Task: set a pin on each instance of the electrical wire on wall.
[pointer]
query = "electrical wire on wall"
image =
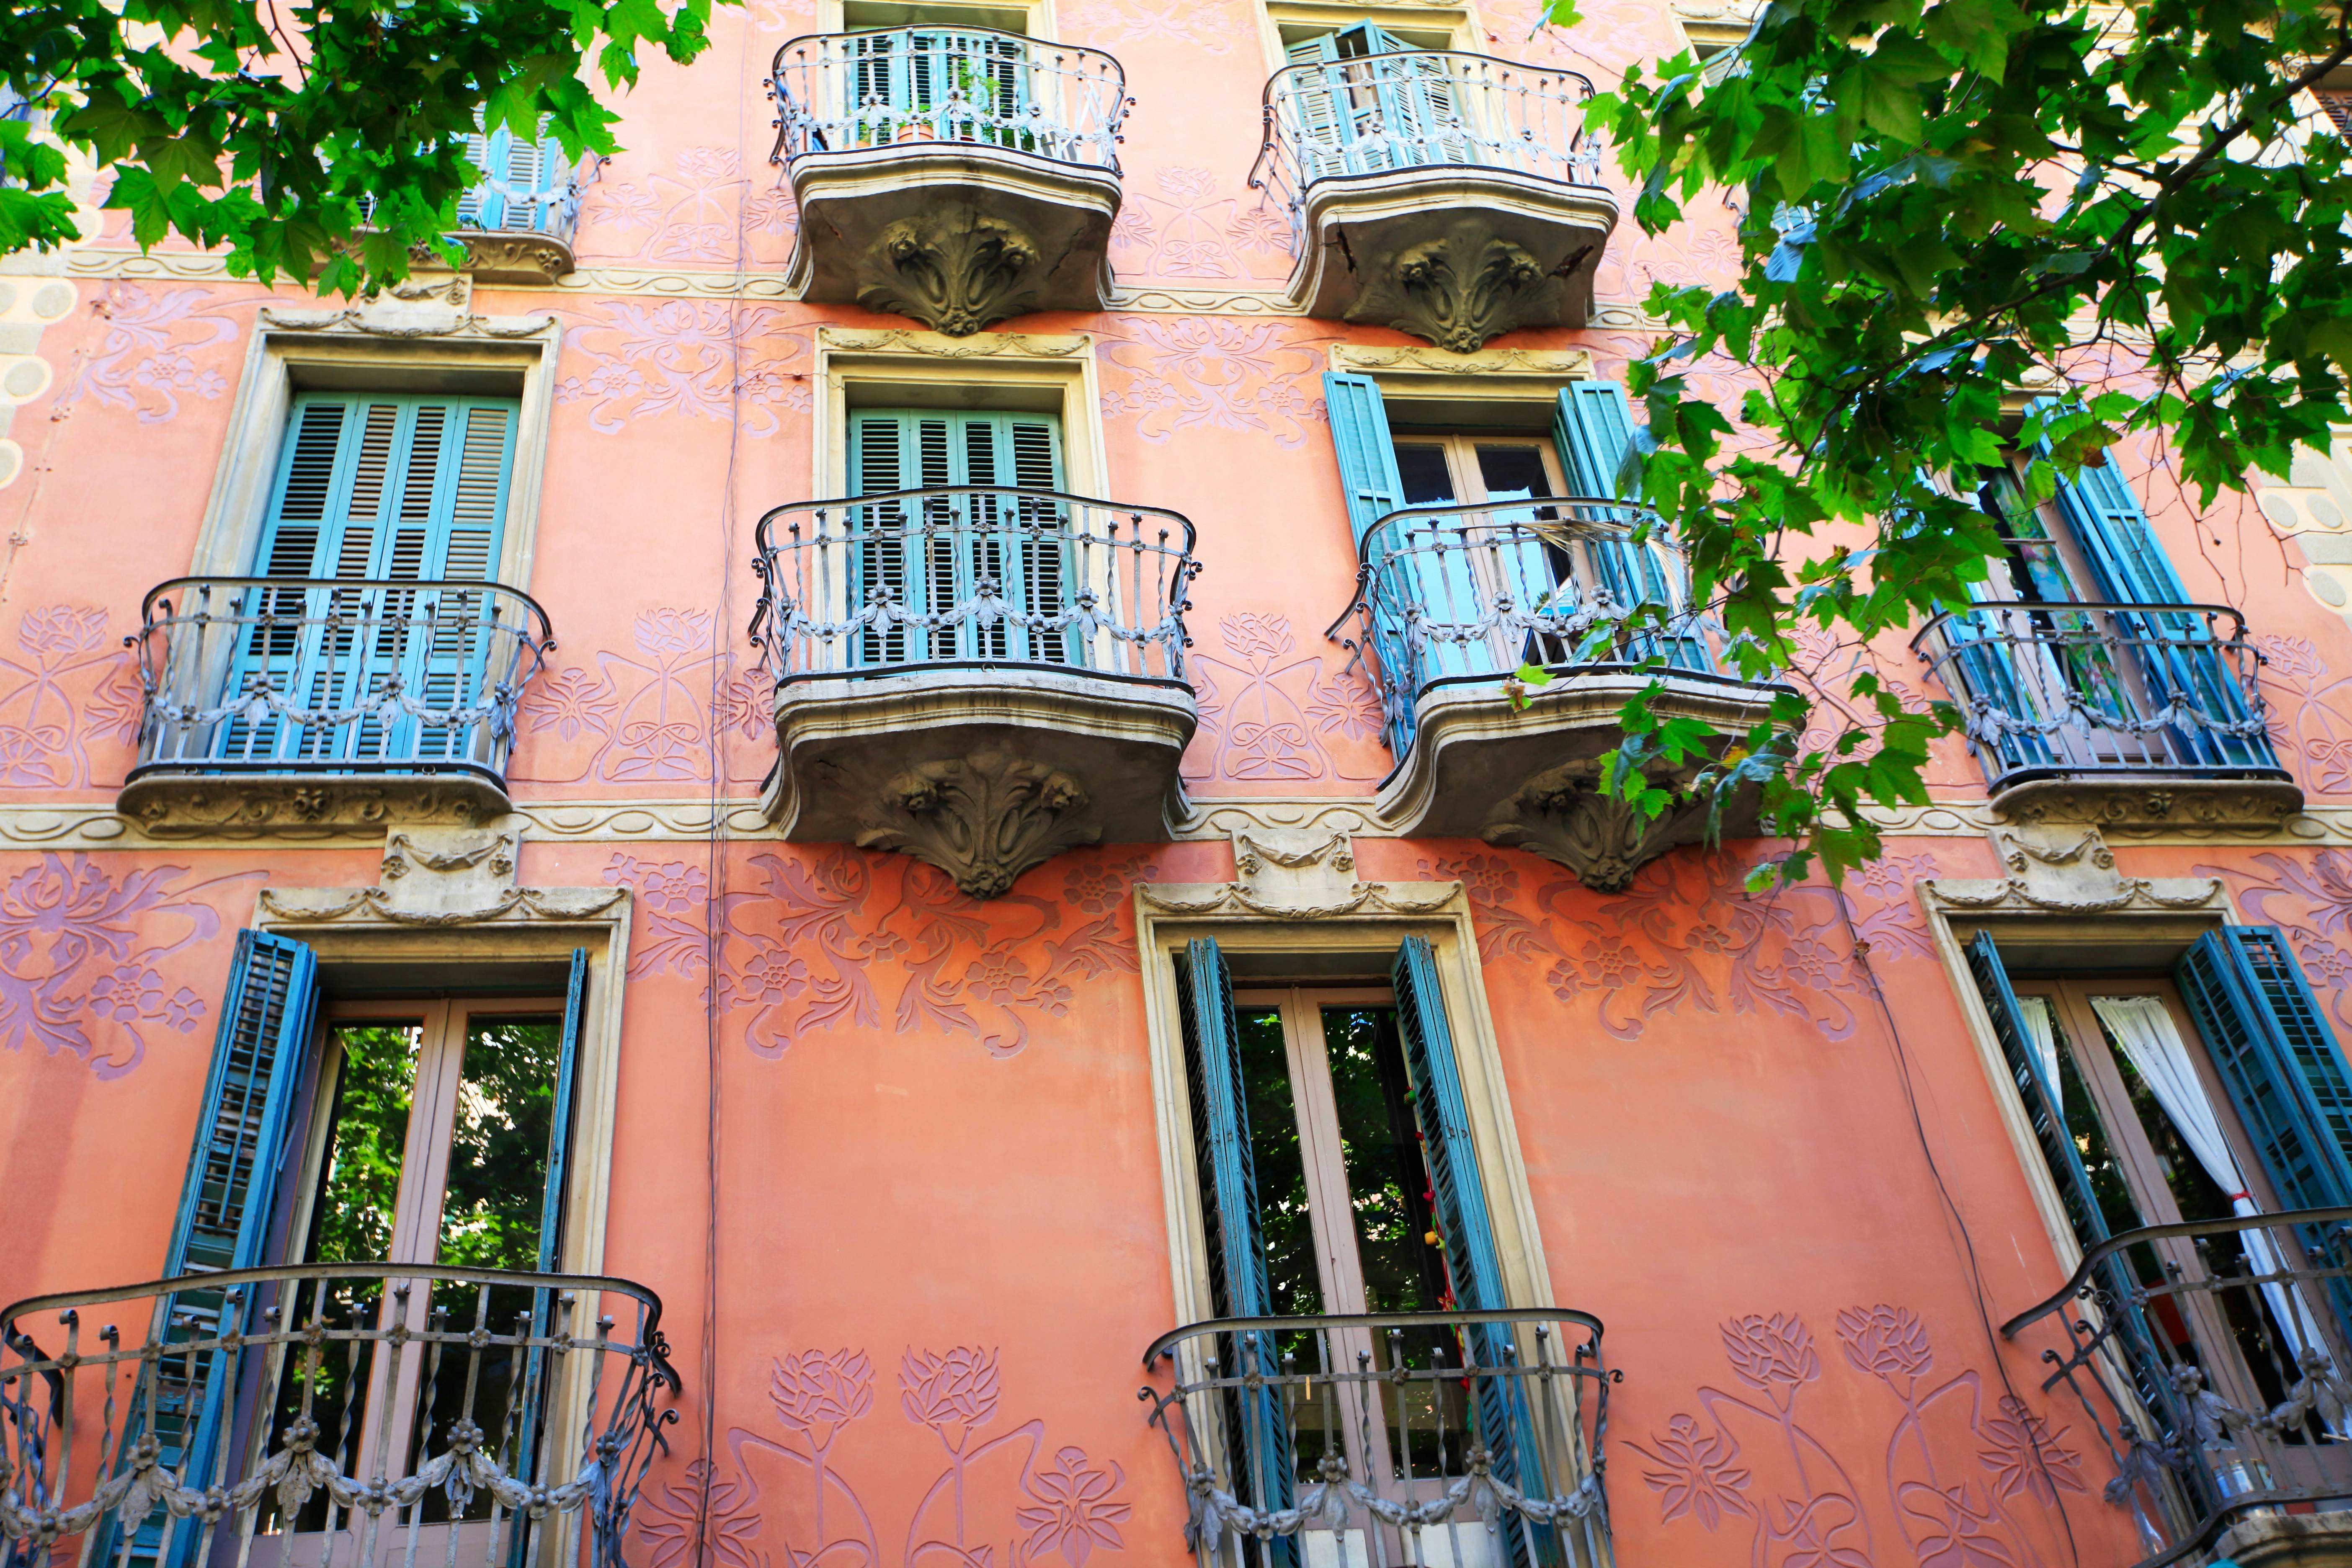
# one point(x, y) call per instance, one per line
point(1965, 1243)
point(715, 905)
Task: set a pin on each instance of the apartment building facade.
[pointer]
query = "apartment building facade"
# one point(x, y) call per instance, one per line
point(838, 864)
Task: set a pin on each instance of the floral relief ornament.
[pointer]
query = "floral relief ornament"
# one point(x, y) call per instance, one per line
point(148, 356)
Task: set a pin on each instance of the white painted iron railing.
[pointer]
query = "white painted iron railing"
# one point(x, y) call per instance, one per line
point(2053, 690)
point(253, 675)
point(526, 187)
point(332, 1414)
point(1420, 109)
point(845, 92)
point(1467, 1438)
point(973, 574)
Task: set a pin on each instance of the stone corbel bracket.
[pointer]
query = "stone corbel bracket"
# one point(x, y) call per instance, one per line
point(1564, 815)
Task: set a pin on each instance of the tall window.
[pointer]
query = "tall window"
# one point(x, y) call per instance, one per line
point(944, 73)
point(1364, 100)
point(966, 522)
point(376, 497)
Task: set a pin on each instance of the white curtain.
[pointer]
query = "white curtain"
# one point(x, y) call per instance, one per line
point(2035, 1012)
point(2143, 1026)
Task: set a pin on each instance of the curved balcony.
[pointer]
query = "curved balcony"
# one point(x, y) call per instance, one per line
point(1454, 196)
point(517, 222)
point(979, 677)
point(1417, 1429)
point(1452, 601)
point(2213, 1356)
point(958, 175)
point(326, 704)
point(2130, 715)
point(326, 1413)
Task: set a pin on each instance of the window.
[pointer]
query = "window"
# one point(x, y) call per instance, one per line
point(970, 519)
point(1362, 100)
point(525, 182)
point(2102, 551)
point(939, 73)
point(399, 1132)
point(2210, 1094)
point(1385, 469)
point(1338, 1176)
point(388, 502)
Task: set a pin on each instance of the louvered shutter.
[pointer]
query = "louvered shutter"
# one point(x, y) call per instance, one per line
point(379, 491)
point(2175, 657)
point(930, 553)
point(246, 1127)
point(1238, 1283)
point(1458, 1198)
point(1593, 428)
point(2283, 1067)
point(1313, 106)
point(476, 207)
point(2040, 1099)
point(1372, 487)
point(538, 1369)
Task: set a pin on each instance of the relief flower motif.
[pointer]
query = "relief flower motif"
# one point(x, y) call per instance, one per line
point(132, 992)
point(2025, 1455)
point(1955, 1533)
point(670, 1516)
point(1811, 1532)
point(674, 888)
point(569, 703)
point(957, 1389)
point(766, 979)
point(56, 629)
point(1886, 1342)
point(185, 1010)
point(1774, 1352)
point(1696, 1473)
point(1074, 1513)
point(818, 1389)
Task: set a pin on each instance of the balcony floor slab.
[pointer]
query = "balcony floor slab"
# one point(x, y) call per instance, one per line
point(171, 803)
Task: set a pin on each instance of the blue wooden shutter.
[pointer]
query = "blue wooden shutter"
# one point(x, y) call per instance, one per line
point(1593, 426)
point(1473, 1263)
point(1237, 1271)
point(245, 1130)
point(2131, 568)
point(2043, 1114)
point(551, 1228)
point(1368, 465)
point(380, 491)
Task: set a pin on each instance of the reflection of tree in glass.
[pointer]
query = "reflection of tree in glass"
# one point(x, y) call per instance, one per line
point(499, 1144)
point(361, 1184)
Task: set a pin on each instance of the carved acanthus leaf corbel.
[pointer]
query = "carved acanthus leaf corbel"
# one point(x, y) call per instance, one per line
point(983, 819)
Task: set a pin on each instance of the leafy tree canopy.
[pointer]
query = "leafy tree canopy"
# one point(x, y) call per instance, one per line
point(1939, 206)
point(304, 138)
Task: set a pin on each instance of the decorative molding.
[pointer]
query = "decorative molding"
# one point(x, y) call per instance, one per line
point(1460, 289)
point(1289, 875)
point(1563, 815)
point(954, 273)
point(528, 259)
point(940, 345)
point(2146, 804)
point(2068, 871)
point(1418, 359)
point(494, 855)
point(1219, 820)
point(311, 806)
point(983, 819)
point(302, 905)
point(1204, 302)
point(423, 305)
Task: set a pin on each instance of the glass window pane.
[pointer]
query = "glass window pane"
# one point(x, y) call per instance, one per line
point(499, 1143)
point(359, 1182)
point(1421, 466)
point(1284, 1211)
point(1513, 472)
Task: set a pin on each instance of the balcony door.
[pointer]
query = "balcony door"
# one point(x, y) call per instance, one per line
point(941, 83)
point(354, 659)
point(965, 555)
point(1363, 102)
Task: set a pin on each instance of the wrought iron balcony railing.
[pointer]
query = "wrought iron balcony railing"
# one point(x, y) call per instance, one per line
point(255, 675)
point(2213, 1358)
point(2085, 690)
point(1461, 595)
point(973, 574)
point(1399, 1426)
point(329, 1413)
point(1420, 109)
point(841, 92)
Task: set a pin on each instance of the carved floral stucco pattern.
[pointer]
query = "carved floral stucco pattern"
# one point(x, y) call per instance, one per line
point(2309, 899)
point(1192, 373)
point(1193, 24)
point(85, 947)
point(1962, 1480)
point(2311, 712)
point(69, 701)
point(704, 359)
point(1689, 934)
point(688, 211)
point(813, 936)
point(157, 346)
point(798, 1498)
point(646, 716)
point(1177, 226)
point(1268, 712)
